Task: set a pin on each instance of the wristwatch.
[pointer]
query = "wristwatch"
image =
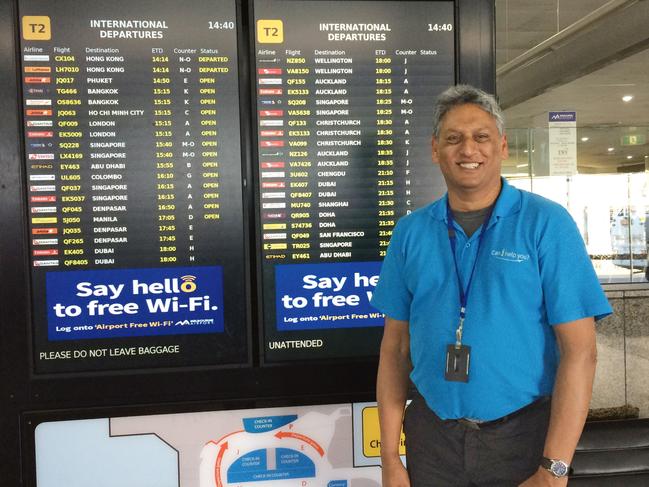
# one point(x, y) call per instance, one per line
point(558, 468)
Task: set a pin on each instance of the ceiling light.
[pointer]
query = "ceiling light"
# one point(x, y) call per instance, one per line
point(629, 157)
point(611, 149)
point(521, 165)
point(584, 139)
point(627, 98)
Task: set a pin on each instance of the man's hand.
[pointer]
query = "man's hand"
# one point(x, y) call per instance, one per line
point(543, 478)
point(394, 474)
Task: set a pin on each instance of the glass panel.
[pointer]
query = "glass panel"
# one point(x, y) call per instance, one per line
point(608, 197)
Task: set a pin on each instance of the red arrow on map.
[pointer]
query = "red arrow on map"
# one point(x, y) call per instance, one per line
point(306, 439)
point(217, 466)
point(212, 442)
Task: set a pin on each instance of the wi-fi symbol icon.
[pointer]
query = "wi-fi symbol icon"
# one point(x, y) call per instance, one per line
point(188, 285)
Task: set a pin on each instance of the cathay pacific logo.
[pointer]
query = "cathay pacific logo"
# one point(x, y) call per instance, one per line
point(510, 255)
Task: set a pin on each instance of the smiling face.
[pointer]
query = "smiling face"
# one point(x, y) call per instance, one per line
point(469, 151)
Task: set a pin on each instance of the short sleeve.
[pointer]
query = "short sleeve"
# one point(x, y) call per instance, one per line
point(571, 288)
point(391, 295)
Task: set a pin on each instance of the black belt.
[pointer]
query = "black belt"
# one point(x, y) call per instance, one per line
point(476, 424)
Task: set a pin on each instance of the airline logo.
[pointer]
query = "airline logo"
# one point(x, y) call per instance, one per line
point(40, 253)
point(279, 194)
point(274, 226)
point(271, 165)
point(273, 185)
point(37, 91)
point(34, 102)
point(42, 166)
point(37, 79)
point(42, 177)
point(41, 157)
point(273, 174)
point(36, 57)
point(274, 236)
point(272, 133)
point(271, 143)
point(38, 69)
point(45, 231)
point(269, 71)
point(270, 91)
point(39, 113)
point(275, 246)
point(39, 145)
point(273, 206)
point(45, 263)
point(274, 215)
point(271, 123)
point(45, 241)
point(42, 199)
point(42, 187)
point(39, 123)
point(44, 220)
point(271, 113)
point(270, 81)
point(32, 134)
point(43, 209)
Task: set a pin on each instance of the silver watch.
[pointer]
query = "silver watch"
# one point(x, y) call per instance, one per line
point(558, 468)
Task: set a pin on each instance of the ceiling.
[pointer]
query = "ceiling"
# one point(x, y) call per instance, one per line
point(576, 55)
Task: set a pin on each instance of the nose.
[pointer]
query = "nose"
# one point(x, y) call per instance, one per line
point(468, 147)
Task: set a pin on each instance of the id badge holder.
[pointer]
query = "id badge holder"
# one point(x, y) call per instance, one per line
point(457, 363)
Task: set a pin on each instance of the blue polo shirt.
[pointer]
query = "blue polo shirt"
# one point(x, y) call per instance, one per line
point(532, 272)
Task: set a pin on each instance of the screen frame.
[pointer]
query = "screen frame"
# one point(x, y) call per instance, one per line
point(474, 64)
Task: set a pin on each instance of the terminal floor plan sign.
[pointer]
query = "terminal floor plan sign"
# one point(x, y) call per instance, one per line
point(305, 446)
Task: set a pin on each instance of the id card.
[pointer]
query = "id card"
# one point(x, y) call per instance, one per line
point(457, 363)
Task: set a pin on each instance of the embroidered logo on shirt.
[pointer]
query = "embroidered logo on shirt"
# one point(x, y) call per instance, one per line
point(510, 255)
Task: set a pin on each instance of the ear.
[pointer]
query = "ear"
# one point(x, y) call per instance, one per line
point(504, 147)
point(435, 147)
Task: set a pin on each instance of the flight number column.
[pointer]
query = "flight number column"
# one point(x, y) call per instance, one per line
point(70, 136)
point(300, 192)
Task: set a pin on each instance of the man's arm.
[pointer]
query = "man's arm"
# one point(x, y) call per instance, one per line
point(391, 394)
point(573, 388)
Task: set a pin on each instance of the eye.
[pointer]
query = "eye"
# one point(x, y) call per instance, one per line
point(453, 139)
point(482, 137)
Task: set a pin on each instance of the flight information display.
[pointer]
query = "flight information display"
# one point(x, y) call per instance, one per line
point(134, 184)
point(344, 96)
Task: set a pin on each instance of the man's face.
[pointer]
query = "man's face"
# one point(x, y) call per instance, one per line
point(470, 151)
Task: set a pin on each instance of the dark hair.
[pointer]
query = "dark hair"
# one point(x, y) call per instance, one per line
point(461, 95)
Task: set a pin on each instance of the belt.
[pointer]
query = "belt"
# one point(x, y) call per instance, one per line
point(477, 424)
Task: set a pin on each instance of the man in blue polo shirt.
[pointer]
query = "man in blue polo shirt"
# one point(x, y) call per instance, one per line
point(490, 301)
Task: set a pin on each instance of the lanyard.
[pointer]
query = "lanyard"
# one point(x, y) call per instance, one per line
point(464, 293)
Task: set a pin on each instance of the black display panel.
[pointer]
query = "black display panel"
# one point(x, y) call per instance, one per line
point(344, 96)
point(133, 174)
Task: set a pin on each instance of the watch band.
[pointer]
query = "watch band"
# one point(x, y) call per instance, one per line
point(556, 467)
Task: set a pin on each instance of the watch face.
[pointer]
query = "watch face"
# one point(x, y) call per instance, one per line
point(559, 469)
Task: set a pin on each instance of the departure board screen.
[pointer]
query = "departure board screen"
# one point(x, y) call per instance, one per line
point(344, 102)
point(134, 184)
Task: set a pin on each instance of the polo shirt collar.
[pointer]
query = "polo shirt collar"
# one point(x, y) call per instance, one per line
point(508, 203)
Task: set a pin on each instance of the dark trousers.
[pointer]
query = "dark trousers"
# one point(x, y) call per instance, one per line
point(452, 454)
